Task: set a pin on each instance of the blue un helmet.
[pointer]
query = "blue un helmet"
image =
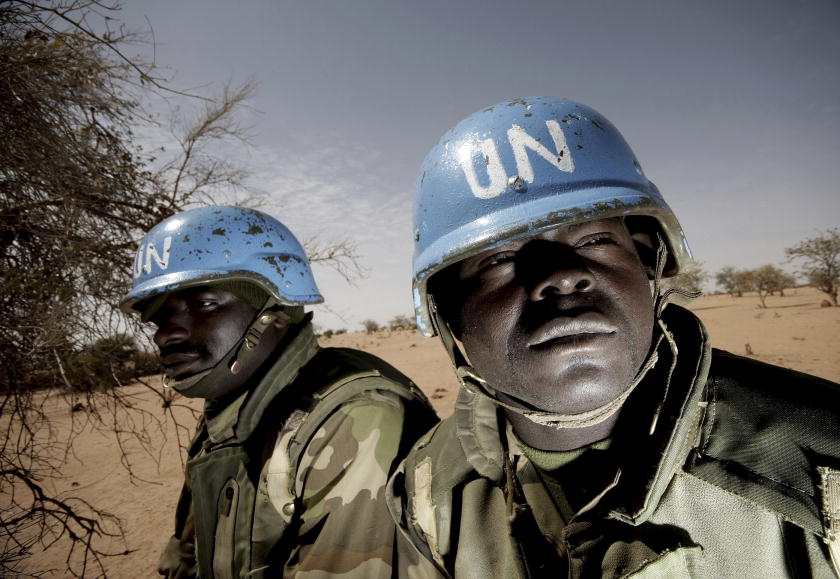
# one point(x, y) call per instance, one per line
point(221, 244)
point(517, 169)
point(231, 247)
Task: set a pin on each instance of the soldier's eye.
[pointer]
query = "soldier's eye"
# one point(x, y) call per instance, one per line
point(496, 259)
point(597, 239)
point(198, 305)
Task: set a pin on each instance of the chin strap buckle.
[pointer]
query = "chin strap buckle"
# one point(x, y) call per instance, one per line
point(253, 336)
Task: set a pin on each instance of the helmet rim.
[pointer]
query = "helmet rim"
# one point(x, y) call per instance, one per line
point(184, 280)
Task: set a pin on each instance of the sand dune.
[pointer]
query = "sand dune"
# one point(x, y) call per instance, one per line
point(793, 331)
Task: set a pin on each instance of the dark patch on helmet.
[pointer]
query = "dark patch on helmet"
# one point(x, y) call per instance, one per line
point(186, 237)
point(529, 114)
point(254, 229)
point(580, 146)
point(268, 244)
point(271, 259)
point(578, 133)
point(284, 258)
point(597, 124)
point(219, 231)
point(519, 101)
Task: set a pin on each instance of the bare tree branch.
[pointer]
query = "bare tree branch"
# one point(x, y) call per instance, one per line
point(75, 193)
point(341, 255)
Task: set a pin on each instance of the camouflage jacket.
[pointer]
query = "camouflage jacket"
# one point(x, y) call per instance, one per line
point(739, 479)
point(289, 478)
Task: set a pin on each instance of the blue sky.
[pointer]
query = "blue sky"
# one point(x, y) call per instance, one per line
point(733, 109)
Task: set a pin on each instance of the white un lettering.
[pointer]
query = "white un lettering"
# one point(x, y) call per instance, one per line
point(147, 253)
point(520, 142)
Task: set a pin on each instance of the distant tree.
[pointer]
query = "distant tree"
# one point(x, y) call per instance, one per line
point(402, 323)
point(691, 278)
point(784, 281)
point(340, 331)
point(821, 258)
point(731, 281)
point(745, 281)
point(767, 279)
point(370, 326)
point(101, 365)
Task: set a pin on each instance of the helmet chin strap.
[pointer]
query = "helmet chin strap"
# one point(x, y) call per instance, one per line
point(207, 382)
point(472, 381)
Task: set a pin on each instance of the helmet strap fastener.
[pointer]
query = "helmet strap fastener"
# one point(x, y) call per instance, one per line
point(661, 301)
point(251, 339)
point(254, 334)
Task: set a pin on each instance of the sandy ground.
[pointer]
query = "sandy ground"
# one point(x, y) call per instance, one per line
point(793, 331)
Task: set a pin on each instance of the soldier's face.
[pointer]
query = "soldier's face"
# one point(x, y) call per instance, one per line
point(560, 321)
point(197, 327)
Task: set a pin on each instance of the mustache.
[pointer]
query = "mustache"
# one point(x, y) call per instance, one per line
point(182, 348)
point(537, 313)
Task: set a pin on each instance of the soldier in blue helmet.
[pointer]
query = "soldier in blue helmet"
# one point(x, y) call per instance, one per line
point(597, 433)
point(287, 470)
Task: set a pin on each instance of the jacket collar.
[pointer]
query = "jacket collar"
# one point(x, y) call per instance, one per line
point(238, 420)
point(658, 454)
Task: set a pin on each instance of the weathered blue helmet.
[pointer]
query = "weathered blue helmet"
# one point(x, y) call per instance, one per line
point(221, 244)
point(519, 168)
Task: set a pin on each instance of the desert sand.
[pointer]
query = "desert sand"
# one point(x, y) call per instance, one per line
point(793, 331)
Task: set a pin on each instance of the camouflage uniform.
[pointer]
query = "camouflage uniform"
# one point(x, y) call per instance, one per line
point(738, 479)
point(289, 478)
